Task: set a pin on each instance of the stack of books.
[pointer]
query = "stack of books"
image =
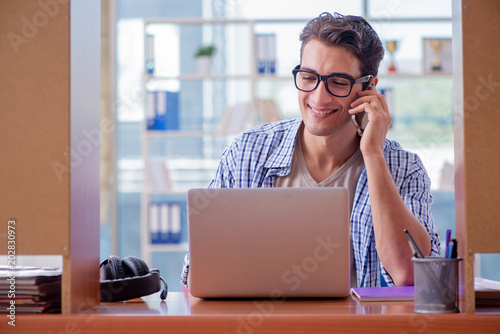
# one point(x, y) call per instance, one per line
point(239, 117)
point(30, 290)
point(159, 176)
point(487, 291)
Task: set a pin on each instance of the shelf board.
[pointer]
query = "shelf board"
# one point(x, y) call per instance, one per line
point(181, 247)
point(214, 77)
point(414, 75)
point(199, 20)
point(165, 192)
point(258, 77)
point(186, 133)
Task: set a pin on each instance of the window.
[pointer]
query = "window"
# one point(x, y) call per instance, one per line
point(421, 102)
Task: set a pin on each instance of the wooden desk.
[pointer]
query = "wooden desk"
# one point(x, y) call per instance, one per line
point(182, 313)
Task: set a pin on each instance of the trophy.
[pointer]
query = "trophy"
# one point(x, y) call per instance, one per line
point(391, 47)
point(436, 58)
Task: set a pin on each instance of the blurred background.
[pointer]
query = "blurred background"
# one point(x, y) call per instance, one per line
point(166, 119)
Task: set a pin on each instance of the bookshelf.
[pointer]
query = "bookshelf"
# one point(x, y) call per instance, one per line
point(229, 101)
point(236, 78)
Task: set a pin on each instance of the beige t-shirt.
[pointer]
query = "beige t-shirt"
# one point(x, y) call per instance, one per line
point(346, 176)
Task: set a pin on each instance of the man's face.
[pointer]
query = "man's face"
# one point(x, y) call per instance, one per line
point(324, 114)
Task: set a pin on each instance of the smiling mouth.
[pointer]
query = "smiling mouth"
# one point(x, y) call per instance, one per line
point(323, 112)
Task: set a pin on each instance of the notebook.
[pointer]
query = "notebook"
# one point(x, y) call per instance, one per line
point(395, 293)
point(269, 242)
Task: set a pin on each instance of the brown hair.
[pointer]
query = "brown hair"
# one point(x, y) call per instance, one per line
point(351, 32)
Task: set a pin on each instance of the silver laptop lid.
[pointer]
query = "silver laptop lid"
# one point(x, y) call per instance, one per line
point(269, 242)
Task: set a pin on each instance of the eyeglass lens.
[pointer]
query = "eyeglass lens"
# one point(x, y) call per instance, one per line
point(336, 85)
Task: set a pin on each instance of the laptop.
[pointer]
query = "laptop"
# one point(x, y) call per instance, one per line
point(269, 242)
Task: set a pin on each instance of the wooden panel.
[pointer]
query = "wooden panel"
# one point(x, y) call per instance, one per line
point(458, 115)
point(477, 139)
point(248, 323)
point(85, 143)
point(50, 100)
point(181, 313)
point(34, 120)
point(481, 75)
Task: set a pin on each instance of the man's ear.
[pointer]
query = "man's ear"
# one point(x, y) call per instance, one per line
point(373, 83)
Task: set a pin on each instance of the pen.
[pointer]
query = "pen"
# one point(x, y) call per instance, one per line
point(435, 284)
point(449, 249)
point(454, 249)
point(452, 255)
point(448, 239)
point(413, 245)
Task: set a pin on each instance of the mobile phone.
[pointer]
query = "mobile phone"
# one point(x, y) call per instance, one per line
point(360, 120)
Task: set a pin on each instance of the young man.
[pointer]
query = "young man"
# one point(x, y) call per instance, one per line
point(389, 187)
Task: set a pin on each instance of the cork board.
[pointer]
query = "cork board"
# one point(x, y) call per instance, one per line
point(49, 118)
point(481, 120)
point(476, 79)
point(34, 121)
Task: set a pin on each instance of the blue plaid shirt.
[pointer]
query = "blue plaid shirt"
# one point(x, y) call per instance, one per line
point(260, 155)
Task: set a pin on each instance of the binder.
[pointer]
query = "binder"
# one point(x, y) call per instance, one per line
point(265, 48)
point(271, 54)
point(166, 110)
point(175, 220)
point(149, 56)
point(161, 110)
point(164, 223)
point(172, 114)
point(260, 55)
point(150, 111)
point(154, 223)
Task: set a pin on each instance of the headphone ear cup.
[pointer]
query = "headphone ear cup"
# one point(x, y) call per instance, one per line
point(134, 266)
point(115, 267)
point(104, 270)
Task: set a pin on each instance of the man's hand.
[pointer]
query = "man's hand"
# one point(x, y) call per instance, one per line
point(379, 119)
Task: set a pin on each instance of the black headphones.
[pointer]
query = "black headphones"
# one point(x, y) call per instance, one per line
point(128, 278)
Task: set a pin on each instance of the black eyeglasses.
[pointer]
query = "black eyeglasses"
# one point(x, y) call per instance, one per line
point(337, 84)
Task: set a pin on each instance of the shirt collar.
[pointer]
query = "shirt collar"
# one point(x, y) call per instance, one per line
point(282, 156)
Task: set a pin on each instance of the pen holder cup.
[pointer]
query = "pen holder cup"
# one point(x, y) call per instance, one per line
point(436, 285)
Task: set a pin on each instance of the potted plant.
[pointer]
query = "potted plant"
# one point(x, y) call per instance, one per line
point(203, 57)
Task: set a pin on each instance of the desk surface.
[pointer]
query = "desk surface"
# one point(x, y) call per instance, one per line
point(182, 313)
